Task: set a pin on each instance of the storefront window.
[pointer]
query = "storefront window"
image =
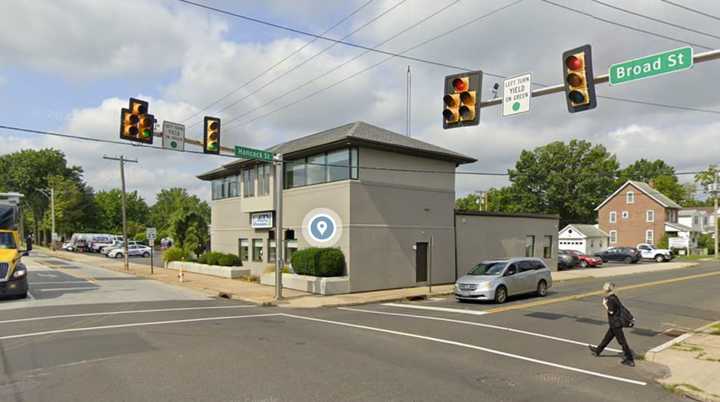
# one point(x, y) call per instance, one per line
point(257, 250)
point(244, 249)
point(295, 173)
point(547, 247)
point(331, 166)
point(529, 246)
point(272, 251)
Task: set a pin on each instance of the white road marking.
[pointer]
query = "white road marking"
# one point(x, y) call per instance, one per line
point(476, 324)
point(469, 346)
point(158, 310)
point(46, 275)
point(136, 324)
point(56, 282)
point(444, 309)
point(65, 289)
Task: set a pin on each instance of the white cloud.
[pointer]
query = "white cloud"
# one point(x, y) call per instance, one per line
point(86, 38)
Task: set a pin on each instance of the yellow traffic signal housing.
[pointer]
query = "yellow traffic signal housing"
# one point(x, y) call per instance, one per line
point(579, 79)
point(135, 122)
point(461, 104)
point(211, 135)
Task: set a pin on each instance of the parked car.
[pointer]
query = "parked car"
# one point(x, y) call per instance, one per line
point(116, 244)
point(134, 250)
point(496, 280)
point(586, 260)
point(69, 246)
point(628, 255)
point(98, 243)
point(567, 260)
point(650, 252)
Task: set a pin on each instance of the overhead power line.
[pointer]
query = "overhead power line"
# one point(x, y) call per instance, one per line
point(325, 74)
point(267, 70)
point(137, 145)
point(678, 26)
point(275, 80)
point(595, 17)
point(692, 10)
point(342, 42)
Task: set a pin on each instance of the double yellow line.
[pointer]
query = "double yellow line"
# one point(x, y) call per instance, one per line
point(598, 293)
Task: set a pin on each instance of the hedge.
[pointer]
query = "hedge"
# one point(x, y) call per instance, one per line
point(222, 259)
point(316, 261)
point(176, 254)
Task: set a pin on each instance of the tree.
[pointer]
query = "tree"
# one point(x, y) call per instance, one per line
point(565, 179)
point(28, 172)
point(645, 171)
point(470, 202)
point(75, 209)
point(190, 232)
point(173, 202)
point(109, 205)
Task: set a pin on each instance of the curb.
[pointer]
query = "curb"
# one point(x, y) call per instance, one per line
point(652, 353)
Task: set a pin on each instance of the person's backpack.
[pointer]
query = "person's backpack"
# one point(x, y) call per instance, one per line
point(628, 321)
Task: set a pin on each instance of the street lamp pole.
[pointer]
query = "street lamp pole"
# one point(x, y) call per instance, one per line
point(279, 235)
point(122, 160)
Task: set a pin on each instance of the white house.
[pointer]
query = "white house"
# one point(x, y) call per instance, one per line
point(684, 232)
point(586, 239)
point(699, 219)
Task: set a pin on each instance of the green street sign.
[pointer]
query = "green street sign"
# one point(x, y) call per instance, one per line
point(651, 66)
point(251, 153)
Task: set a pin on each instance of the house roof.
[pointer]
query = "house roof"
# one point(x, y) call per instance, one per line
point(586, 230)
point(661, 198)
point(678, 227)
point(693, 210)
point(357, 133)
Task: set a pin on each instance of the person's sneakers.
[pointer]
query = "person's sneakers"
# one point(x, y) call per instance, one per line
point(595, 352)
point(628, 362)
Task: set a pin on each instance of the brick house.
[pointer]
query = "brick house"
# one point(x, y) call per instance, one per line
point(636, 213)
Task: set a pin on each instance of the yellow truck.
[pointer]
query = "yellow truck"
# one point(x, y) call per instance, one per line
point(13, 273)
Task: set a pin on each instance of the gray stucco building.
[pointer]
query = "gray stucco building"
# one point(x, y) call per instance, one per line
point(385, 199)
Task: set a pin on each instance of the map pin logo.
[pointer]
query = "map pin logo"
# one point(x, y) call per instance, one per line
point(322, 228)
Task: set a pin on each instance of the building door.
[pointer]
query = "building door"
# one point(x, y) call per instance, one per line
point(421, 262)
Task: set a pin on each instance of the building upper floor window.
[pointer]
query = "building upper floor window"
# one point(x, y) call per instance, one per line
point(248, 179)
point(625, 214)
point(650, 215)
point(325, 167)
point(612, 217)
point(630, 197)
point(264, 172)
point(225, 188)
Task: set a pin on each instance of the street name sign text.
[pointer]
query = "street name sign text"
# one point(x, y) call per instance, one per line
point(651, 66)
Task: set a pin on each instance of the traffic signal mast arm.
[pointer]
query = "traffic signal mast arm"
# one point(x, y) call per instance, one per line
point(599, 79)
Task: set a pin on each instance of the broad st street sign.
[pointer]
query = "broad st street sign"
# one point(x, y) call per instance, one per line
point(651, 66)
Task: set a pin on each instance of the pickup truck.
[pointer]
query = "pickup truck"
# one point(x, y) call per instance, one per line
point(650, 252)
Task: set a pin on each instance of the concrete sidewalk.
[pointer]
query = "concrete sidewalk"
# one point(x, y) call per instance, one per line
point(694, 363)
point(259, 294)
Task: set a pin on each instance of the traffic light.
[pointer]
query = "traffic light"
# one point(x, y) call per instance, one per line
point(211, 135)
point(135, 122)
point(579, 79)
point(461, 102)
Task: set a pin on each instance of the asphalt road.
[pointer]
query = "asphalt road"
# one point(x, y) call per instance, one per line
point(181, 346)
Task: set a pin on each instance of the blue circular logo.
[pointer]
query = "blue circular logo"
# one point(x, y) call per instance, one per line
point(322, 227)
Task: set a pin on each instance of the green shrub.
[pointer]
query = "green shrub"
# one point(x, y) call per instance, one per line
point(319, 262)
point(176, 254)
point(229, 260)
point(331, 262)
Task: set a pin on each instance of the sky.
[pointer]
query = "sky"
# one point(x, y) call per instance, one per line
point(71, 66)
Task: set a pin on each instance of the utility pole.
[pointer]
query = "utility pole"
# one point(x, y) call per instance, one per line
point(408, 102)
point(122, 160)
point(279, 235)
point(715, 215)
point(51, 196)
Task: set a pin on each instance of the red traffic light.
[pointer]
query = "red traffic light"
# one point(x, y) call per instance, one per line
point(459, 84)
point(573, 63)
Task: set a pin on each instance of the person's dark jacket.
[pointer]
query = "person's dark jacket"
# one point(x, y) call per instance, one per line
point(614, 309)
point(29, 243)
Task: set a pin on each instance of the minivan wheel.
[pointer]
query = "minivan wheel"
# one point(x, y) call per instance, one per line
point(659, 258)
point(542, 289)
point(500, 295)
point(627, 260)
point(583, 264)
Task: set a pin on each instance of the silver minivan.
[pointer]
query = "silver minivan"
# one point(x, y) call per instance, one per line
point(498, 279)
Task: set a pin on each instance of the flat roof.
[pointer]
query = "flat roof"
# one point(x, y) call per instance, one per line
point(356, 133)
point(506, 214)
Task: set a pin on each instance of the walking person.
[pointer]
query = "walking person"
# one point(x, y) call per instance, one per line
point(618, 317)
point(29, 241)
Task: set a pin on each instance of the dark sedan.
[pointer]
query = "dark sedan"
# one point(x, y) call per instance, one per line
point(567, 260)
point(628, 255)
